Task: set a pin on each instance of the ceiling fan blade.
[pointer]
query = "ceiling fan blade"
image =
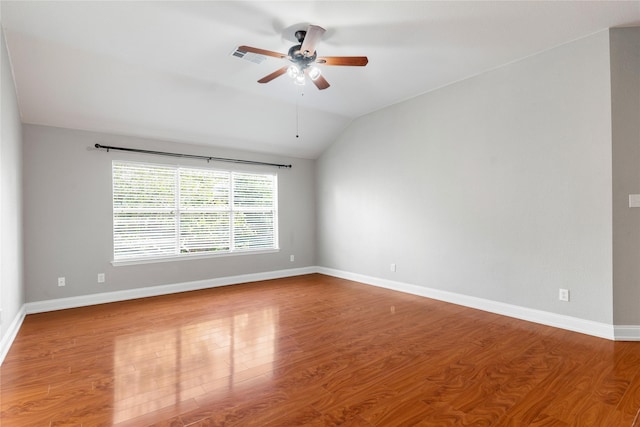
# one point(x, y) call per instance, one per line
point(321, 83)
point(262, 51)
point(357, 61)
point(277, 73)
point(312, 37)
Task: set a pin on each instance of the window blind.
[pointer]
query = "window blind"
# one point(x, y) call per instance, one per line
point(253, 199)
point(167, 211)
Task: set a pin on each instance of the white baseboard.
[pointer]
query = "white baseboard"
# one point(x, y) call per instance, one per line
point(12, 332)
point(115, 296)
point(597, 329)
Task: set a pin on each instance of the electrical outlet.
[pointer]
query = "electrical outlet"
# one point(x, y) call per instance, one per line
point(563, 295)
point(292, 258)
point(100, 277)
point(61, 281)
point(392, 267)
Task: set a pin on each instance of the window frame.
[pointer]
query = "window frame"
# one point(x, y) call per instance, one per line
point(177, 210)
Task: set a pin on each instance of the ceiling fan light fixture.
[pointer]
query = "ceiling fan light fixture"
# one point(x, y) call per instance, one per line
point(314, 73)
point(293, 71)
point(299, 79)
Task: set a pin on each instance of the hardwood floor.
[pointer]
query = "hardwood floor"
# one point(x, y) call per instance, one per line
point(314, 351)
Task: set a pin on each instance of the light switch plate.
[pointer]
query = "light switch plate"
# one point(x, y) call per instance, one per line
point(634, 200)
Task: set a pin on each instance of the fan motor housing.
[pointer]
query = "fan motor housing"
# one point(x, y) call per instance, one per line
point(298, 57)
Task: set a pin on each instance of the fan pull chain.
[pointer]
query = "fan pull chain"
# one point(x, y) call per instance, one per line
point(298, 113)
point(297, 120)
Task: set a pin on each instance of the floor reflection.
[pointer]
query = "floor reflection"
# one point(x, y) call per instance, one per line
point(160, 369)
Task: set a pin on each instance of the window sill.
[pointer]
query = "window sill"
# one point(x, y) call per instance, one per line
point(190, 257)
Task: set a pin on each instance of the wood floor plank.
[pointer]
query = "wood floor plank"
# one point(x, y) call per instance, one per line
point(310, 350)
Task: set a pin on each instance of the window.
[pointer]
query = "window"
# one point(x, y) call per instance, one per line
point(162, 211)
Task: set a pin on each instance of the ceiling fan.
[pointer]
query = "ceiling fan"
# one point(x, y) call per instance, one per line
point(304, 58)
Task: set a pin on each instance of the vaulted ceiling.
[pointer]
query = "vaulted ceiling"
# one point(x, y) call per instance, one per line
point(165, 70)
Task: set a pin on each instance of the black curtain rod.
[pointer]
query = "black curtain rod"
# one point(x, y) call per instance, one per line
point(191, 156)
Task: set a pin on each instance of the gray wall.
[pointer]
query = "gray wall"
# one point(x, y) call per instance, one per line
point(625, 101)
point(497, 187)
point(11, 278)
point(68, 215)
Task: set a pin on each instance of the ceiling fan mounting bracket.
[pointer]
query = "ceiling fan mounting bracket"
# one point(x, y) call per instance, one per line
point(300, 35)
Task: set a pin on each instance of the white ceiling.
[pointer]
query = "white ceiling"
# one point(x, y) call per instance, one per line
point(164, 70)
